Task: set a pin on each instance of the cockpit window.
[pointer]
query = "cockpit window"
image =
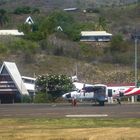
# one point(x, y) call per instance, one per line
point(68, 95)
point(88, 89)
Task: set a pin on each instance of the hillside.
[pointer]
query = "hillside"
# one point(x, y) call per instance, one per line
point(87, 72)
point(94, 62)
point(52, 4)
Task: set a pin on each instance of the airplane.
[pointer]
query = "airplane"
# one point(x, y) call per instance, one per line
point(83, 91)
point(101, 93)
point(131, 91)
point(114, 90)
point(123, 90)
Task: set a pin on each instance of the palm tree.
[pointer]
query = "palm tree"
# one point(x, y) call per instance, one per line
point(3, 17)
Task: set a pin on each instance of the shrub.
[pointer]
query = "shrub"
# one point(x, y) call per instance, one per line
point(53, 86)
point(25, 46)
point(22, 10)
point(116, 43)
point(3, 49)
point(40, 97)
point(35, 10)
point(26, 99)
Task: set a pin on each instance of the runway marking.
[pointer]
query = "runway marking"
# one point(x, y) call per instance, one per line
point(86, 115)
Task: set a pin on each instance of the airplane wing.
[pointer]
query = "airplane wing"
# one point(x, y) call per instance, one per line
point(79, 86)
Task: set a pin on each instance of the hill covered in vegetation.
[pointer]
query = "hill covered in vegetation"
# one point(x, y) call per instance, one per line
point(44, 49)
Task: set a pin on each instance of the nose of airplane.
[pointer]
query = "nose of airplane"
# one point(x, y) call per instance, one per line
point(63, 96)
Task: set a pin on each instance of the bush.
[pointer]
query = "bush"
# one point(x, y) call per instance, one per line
point(22, 10)
point(53, 86)
point(3, 49)
point(40, 97)
point(73, 32)
point(35, 36)
point(25, 46)
point(25, 28)
point(90, 53)
point(26, 99)
point(116, 43)
point(92, 10)
point(35, 10)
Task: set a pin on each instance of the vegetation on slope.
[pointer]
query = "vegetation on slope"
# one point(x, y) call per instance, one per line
point(44, 49)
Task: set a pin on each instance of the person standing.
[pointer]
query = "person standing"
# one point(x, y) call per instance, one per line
point(119, 100)
point(74, 101)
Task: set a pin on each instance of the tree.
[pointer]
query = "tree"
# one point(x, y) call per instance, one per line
point(55, 19)
point(53, 85)
point(73, 32)
point(62, 19)
point(3, 17)
point(48, 25)
point(116, 43)
point(26, 28)
point(102, 24)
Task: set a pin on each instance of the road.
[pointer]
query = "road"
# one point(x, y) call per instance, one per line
point(66, 110)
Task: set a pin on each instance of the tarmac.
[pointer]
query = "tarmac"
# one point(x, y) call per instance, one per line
point(65, 110)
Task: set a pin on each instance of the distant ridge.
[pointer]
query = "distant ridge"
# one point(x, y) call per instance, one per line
point(46, 5)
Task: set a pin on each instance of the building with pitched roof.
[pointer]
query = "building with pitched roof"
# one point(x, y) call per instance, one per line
point(29, 83)
point(29, 20)
point(12, 85)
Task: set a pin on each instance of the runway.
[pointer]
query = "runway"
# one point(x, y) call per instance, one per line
point(66, 110)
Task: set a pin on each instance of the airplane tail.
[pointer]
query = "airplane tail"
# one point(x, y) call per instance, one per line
point(132, 92)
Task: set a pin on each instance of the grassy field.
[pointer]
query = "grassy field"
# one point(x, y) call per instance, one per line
point(69, 129)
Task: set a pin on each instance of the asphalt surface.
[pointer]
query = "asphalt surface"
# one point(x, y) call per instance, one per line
point(66, 110)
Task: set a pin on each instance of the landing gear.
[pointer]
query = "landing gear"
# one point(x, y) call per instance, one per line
point(101, 103)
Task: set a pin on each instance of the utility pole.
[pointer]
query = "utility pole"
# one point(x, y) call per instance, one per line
point(76, 68)
point(136, 36)
point(136, 67)
point(136, 62)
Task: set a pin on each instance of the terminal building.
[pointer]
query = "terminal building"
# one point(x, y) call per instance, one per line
point(12, 85)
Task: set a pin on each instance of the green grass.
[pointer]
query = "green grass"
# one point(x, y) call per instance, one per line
point(69, 129)
point(71, 122)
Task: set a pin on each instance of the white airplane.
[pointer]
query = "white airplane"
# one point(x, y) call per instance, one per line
point(130, 91)
point(115, 90)
point(83, 91)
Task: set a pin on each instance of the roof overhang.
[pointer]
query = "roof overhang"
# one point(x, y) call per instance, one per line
point(95, 33)
point(11, 32)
